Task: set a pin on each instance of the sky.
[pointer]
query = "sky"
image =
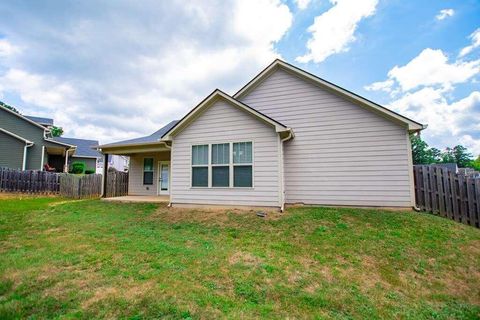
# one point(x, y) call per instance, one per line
point(114, 70)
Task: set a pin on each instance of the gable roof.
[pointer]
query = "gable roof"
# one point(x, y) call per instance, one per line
point(23, 117)
point(218, 94)
point(83, 146)
point(392, 115)
point(40, 120)
point(153, 138)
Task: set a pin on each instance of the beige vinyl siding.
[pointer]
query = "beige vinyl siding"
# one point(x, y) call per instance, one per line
point(11, 151)
point(135, 178)
point(222, 123)
point(342, 154)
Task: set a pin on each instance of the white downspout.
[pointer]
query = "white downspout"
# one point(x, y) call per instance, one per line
point(170, 180)
point(24, 163)
point(282, 174)
point(43, 158)
point(65, 167)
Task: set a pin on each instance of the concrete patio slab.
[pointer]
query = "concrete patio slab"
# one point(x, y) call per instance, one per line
point(150, 199)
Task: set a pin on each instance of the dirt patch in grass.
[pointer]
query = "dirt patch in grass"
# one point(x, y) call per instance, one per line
point(244, 258)
point(211, 216)
point(20, 196)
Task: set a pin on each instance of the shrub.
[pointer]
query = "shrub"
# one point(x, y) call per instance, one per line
point(89, 171)
point(78, 167)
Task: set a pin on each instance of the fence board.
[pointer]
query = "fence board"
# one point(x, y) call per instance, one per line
point(448, 194)
point(117, 184)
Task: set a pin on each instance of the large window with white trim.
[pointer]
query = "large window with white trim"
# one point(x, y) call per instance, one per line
point(242, 164)
point(222, 165)
point(200, 165)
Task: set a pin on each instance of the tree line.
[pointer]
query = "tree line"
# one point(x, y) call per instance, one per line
point(422, 153)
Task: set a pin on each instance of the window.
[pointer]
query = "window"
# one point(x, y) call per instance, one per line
point(222, 165)
point(148, 171)
point(200, 165)
point(242, 164)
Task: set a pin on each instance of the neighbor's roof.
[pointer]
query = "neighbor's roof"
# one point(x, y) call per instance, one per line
point(84, 147)
point(412, 125)
point(22, 117)
point(40, 120)
point(154, 137)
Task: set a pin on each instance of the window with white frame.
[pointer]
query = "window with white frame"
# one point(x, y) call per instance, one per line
point(200, 165)
point(222, 165)
point(148, 171)
point(242, 164)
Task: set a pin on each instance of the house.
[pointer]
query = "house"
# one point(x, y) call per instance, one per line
point(286, 137)
point(27, 144)
point(84, 151)
point(453, 167)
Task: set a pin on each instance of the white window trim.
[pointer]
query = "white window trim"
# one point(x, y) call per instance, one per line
point(153, 171)
point(231, 165)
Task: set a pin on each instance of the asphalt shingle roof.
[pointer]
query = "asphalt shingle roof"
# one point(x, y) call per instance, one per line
point(154, 137)
point(40, 120)
point(84, 147)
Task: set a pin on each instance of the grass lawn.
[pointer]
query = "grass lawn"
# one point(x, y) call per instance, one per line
point(93, 259)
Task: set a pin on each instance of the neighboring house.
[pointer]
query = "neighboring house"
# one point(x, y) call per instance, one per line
point(26, 143)
point(450, 166)
point(84, 151)
point(120, 163)
point(286, 137)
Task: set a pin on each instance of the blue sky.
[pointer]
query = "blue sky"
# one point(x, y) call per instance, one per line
point(116, 70)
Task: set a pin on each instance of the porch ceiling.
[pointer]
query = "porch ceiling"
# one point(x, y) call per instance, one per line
point(137, 148)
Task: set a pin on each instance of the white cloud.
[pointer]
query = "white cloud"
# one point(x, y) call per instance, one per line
point(302, 4)
point(125, 71)
point(430, 67)
point(449, 124)
point(7, 49)
point(445, 13)
point(334, 30)
point(475, 37)
point(381, 86)
point(424, 90)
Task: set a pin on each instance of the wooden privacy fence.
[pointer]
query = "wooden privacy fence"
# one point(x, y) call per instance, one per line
point(29, 181)
point(450, 195)
point(117, 184)
point(79, 187)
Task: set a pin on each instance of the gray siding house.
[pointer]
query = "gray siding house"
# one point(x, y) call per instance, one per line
point(26, 144)
point(287, 137)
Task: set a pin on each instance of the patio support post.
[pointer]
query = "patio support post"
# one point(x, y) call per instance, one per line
point(105, 171)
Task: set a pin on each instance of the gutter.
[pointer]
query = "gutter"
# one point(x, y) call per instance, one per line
point(282, 175)
point(28, 144)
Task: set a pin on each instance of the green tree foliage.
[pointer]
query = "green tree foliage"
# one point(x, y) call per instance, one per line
point(56, 131)
point(423, 154)
point(475, 164)
point(9, 107)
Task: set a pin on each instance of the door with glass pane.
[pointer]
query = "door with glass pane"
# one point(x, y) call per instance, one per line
point(163, 178)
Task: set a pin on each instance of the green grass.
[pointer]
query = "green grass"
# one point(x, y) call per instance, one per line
point(92, 259)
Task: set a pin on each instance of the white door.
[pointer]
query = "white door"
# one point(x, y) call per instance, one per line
point(163, 178)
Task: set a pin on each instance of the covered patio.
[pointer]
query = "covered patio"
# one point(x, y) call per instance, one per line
point(149, 168)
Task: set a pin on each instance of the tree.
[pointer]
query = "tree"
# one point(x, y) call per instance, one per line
point(475, 164)
point(56, 131)
point(462, 156)
point(422, 153)
point(9, 107)
point(448, 156)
